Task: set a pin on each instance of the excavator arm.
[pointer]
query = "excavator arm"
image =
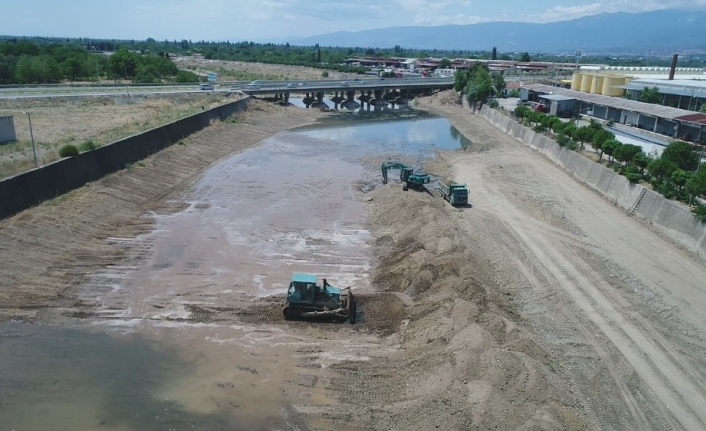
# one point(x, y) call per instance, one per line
point(391, 165)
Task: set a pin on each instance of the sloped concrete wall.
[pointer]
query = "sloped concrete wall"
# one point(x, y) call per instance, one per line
point(7, 129)
point(669, 217)
point(47, 182)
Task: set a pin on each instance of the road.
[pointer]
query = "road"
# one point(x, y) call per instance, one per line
point(619, 307)
point(261, 87)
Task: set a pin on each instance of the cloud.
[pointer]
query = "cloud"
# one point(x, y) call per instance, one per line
point(564, 13)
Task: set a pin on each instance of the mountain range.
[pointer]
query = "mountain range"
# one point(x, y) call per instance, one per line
point(664, 31)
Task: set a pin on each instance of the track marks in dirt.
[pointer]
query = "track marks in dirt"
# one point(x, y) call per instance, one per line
point(49, 250)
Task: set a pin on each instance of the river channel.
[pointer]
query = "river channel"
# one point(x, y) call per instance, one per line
point(293, 203)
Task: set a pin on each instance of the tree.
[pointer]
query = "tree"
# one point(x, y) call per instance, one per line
point(499, 83)
point(41, 68)
point(650, 95)
point(661, 168)
point(479, 87)
point(696, 185)
point(525, 57)
point(600, 135)
point(609, 147)
point(494, 56)
point(626, 153)
point(641, 161)
point(123, 63)
point(680, 177)
point(582, 134)
point(682, 154)
point(445, 63)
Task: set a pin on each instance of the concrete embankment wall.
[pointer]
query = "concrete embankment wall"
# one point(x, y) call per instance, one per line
point(669, 217)
point(33, 187)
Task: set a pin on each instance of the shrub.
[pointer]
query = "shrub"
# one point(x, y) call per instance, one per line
point(572, 145)
point(632, 173)
point(538, 128)
point(87, 146)
point(668, 190)
point(562, 139)
point(324, 74)
point(700, 212)
point(68, 151)
point(493, 104)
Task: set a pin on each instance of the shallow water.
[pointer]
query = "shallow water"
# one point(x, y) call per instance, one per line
point(54, 378)
point(291, 204)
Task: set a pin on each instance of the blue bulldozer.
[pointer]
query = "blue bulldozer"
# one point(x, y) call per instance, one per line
point(308, 300)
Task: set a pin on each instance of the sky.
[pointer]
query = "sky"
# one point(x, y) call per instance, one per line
point(257, 20)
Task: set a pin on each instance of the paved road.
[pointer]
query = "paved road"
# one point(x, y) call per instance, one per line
point(259, 87)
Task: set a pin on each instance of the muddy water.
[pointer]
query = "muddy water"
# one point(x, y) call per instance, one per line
point(291, 204)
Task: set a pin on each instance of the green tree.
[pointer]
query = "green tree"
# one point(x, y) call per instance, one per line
point(494, 56)
point(38, 69)
point(444, 63)
point(650, 95)
point(661, 168)
point(479, 86)
point(626, 153)
point(680, 177)
point(696, 185)
point(582, 134)
point(641, 161)
point(525, 57)
point(123, 63)
point(609, 148)
point(682, 154)
point(599, 137)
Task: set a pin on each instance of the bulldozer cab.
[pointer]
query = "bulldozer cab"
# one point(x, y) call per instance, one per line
point(302, 288)
point(307, 299)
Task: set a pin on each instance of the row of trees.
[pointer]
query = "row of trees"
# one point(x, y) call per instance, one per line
point(675, 174)
point(24, 62)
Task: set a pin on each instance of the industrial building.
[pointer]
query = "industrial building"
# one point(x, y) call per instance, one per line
point(664, 120)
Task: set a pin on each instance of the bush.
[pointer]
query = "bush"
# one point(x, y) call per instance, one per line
point(87, 146)
point(700, 212)
point(562, 139)
point(668, 190)
point(186, 76)
point(572, 145)
point(68, 151)
point(539, 128)
point(632, 173)
point(493, 104)
point(324, 74)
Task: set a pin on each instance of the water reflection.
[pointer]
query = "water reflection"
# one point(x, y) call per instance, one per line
point(54, 378)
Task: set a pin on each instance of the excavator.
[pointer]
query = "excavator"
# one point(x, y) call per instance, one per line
point(407, 175)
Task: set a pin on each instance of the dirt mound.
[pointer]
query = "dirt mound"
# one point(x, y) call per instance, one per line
point(464, 362)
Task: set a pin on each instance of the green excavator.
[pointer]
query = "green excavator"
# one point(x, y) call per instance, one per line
point(409, 178)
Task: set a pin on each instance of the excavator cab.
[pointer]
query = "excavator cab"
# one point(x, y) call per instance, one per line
point(407, 175)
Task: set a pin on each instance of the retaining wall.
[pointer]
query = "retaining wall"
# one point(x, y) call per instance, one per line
point(668, 216)
point(33, 187)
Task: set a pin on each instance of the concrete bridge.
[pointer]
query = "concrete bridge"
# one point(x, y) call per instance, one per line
point(376, 91)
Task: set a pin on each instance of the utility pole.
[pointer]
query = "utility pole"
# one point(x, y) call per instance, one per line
point(31, 134)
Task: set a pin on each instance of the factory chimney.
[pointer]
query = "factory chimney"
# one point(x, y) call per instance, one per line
point(674, 67)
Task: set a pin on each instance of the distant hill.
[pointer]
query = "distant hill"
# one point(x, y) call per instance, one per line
point(663, 31)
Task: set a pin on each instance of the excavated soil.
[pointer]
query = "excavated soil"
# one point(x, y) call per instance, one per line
point(538, 306)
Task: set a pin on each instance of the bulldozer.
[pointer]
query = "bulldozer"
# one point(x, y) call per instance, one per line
point(308, 300)
point(409, 178)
